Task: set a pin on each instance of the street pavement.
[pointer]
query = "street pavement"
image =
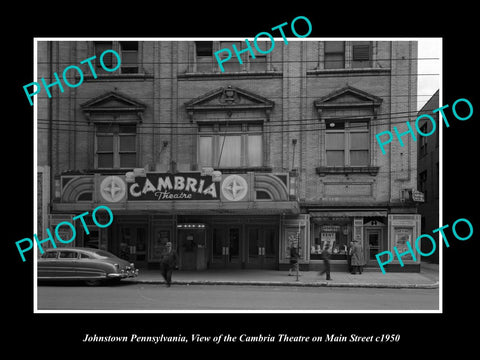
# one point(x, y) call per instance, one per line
point(427, 278)
point(132, 297)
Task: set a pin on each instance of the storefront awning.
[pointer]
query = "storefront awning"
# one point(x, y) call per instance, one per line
point(350, 213)
point(189, 207)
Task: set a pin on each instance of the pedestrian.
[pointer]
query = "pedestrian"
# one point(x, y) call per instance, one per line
point(357, 259)
point(168, 262)
point(326, 254)
point(293, 260)
point(349, 256)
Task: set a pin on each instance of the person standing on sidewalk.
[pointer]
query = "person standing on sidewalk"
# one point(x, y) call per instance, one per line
point(168, 262)
point(326, 253)
point(357, 257)
point(293, 260)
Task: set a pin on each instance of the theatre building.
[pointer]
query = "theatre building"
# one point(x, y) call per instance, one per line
point(233, 167)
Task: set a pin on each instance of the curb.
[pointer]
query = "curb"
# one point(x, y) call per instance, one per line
point(297, 284)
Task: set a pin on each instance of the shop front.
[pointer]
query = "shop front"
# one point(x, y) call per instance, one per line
point(212, 220)
point(376, 230)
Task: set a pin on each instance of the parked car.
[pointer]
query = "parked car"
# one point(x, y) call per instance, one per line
point(93, 266)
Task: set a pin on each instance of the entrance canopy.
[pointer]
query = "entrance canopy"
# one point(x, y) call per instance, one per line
point(179, 193)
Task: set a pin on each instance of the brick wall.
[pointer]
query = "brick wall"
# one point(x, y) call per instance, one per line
point(297, 80)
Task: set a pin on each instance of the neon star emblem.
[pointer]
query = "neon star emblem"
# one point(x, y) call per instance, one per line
point(234, 188)
point(112, 188)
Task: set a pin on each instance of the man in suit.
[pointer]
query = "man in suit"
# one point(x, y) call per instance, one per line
point(168, 262)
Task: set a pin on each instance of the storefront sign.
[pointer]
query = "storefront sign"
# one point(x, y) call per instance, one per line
point(186, 186)
point(418, 196)
point(330, 228)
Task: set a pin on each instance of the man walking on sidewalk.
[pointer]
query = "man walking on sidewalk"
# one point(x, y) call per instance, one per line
point(168, 261)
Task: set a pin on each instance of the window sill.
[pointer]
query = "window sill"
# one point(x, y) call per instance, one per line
point(333, 170)
point(244, 170)
point(118, 76)
point(256, 74)
point(348, 71)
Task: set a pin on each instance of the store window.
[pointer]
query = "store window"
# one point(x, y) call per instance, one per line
point(347, 143)
point(337, 233)
point(115, 146)
point(230, 145)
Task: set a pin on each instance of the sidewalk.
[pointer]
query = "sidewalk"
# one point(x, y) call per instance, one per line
point(427, 278)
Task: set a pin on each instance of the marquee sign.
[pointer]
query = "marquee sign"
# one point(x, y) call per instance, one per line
point(181, 186)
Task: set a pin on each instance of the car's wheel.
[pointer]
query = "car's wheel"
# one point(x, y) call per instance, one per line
point(93, 282)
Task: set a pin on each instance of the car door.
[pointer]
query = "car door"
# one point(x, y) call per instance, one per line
point(47, 265)
point(89, 267)
point(66, 264)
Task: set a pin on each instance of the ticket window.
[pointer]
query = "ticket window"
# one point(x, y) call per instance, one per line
point(192, 249)
point(133, 244)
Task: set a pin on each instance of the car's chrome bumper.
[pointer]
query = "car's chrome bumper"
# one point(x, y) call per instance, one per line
point(123, 274)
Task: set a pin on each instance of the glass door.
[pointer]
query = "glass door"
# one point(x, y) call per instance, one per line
point(373, 244)
point(233, 256)
point(270, 243)
point(254, 248)
point(133, 244)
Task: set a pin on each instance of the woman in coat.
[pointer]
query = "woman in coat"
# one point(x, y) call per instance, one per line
point(357, 258)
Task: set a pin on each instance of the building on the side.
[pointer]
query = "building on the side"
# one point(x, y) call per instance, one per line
point(428, 175)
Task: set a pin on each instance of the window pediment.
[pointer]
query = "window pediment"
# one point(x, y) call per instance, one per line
point(348, 98)
point(113, 105)
point(229, 99)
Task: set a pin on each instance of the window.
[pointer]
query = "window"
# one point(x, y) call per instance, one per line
point(230, 145)
point(260, 61)
point(333, 235)
point(129, 56)
point(361, 54)
point(204, 52)
point(422, 183)
point(50, 255)
point(128, 51)
point(205, 61)
point(232, 65)
point(423, 140)
point(67, 255)
point(115, 146)
point(334, 54)
point(100, 47)
point(347, 143)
